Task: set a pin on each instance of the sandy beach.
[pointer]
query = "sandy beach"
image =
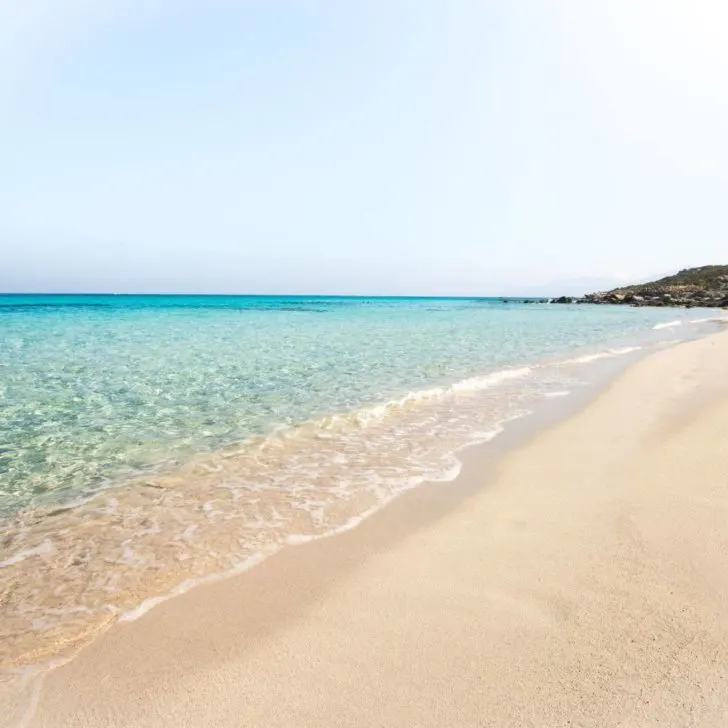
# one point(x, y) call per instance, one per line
point(582, 581)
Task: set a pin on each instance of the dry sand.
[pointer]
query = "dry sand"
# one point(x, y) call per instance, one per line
point(585, 584)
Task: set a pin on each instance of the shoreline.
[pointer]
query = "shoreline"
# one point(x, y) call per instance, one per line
point(173, 532)
point(408, 511)
point(282, 591)
point(431, 499)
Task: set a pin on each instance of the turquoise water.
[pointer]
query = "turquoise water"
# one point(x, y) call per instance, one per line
point(150, 442)
point(94, 389)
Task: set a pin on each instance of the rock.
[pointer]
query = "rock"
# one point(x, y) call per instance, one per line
point(706, 286)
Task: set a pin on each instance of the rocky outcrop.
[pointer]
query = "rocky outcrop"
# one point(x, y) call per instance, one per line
point(705, 287)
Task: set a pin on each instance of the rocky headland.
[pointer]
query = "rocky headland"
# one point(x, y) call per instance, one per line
point(704, 287)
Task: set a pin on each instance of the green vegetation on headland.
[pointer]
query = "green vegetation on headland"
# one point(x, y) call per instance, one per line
point(705, 287)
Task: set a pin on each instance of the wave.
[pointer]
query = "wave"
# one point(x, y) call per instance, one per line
point(666, 325)
point(366, 416)
point(294, 539)
point(710, 319)
point(608, 354)
point(449, 473)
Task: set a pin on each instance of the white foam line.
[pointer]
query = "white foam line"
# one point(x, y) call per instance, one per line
point(586, 358)
point(490, 380)
point(484, 437)
point(42, 549)
point(711, 319)
point(666, 325)
point(472, 384)
point(149, 604)
point(447, 475)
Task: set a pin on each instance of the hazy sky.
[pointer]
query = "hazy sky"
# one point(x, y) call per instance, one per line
point(359, 146)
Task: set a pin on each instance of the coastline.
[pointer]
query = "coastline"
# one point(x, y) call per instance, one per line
point(70, 572)
point(495, 589)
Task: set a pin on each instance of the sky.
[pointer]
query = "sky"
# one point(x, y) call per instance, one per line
point(466, 147)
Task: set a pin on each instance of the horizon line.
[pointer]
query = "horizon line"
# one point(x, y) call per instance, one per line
point(268, 295)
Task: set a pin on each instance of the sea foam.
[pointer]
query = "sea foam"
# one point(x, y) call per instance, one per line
point(666, 325)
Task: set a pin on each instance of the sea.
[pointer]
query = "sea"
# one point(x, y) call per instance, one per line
point(151, 443)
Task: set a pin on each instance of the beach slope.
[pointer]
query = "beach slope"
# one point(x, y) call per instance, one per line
point(584, 583)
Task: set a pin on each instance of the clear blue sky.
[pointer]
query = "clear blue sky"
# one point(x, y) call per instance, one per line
point(359, 146)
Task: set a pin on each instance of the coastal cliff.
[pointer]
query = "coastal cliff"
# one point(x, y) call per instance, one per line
point(705, 287)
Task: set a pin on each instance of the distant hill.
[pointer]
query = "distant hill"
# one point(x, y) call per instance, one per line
point(706, 286)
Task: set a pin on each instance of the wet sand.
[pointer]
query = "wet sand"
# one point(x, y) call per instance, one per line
point(583, 583)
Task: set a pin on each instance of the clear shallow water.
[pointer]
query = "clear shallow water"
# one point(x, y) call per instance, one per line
point(149, 441)
point(96, 388)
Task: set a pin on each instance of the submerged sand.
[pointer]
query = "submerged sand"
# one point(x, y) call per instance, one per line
point(584, 584)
